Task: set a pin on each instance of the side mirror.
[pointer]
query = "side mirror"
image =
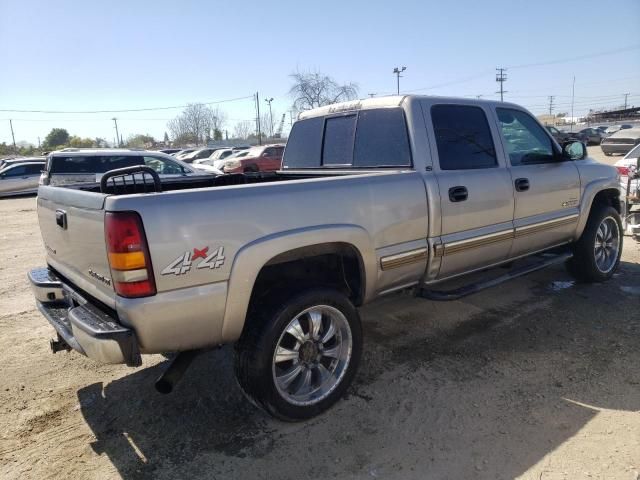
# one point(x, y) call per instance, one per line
point(574, 150)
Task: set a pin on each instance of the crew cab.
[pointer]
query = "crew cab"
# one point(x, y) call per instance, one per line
point(373, 197)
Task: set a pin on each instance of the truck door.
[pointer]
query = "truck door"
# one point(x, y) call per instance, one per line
point(546, 185)
point(476, 195)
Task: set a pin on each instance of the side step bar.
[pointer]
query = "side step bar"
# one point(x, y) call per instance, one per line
point(456, 293)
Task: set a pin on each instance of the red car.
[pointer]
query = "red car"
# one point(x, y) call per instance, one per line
point(266, 158)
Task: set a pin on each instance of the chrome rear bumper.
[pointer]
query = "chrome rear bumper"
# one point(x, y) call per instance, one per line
point(85, 327)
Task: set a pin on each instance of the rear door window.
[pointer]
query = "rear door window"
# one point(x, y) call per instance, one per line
point(34, 169)
point(463, 137)
point(92, 164)
point(163, 166)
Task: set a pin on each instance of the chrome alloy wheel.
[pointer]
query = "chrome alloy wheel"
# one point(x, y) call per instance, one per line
point(312, 355)
point(607, 245)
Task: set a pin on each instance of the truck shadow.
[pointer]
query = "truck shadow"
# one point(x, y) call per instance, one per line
point(483, 395)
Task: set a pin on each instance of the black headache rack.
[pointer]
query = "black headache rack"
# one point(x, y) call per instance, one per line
point(115, 181)
point(143, 179)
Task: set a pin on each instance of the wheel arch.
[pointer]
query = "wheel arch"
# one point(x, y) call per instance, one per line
point(288, 248)
point(595, 195)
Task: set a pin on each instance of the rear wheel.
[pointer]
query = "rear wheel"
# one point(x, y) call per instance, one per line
point(251, 169)
point(298, 359)
point(596, 254)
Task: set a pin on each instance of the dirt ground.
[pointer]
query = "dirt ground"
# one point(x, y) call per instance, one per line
point(536, 379)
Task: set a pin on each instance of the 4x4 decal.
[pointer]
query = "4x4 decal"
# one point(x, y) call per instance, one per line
point(184, 262)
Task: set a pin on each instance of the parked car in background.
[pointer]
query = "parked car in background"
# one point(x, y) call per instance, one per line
point(266, 158)
point(217, 158)
point(561, 136)
point(169, 151)
point(621, 141)
point(5, 162)
point(593, 136)
point(71, 166)
point(18, 178)
point(183, 152)
point(625, 163)
point(199, 154)
point(616, 128)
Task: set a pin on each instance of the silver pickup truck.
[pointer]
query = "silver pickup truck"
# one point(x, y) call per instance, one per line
point(374, 196)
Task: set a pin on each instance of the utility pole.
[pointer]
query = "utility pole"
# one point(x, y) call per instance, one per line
point(551, 97)
point(290, 118)
point(269, 100)
point(626, 96)
point(398, 71)
point(501, 77)
point(15, 149)
point(115, 122)
point(258, 118)
point(573, 96)
point(38, 143)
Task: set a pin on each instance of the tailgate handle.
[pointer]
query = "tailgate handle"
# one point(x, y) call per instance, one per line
point(61, 219)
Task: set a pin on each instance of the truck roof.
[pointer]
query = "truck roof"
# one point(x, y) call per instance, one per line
point(391, 101)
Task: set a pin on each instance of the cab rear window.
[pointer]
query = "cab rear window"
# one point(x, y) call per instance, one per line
point(91, 164)
point(366, 139)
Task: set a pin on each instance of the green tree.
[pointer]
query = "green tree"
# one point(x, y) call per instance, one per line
point(79, 142)
point(166, 138)
point(56, 138)
point(217, 134)
point(139, 140)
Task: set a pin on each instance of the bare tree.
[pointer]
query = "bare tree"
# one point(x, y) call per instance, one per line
point(196, 124)
point(314, 89)
point(243, 129)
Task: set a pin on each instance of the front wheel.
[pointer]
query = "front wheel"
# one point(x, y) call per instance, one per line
point(596, 254)
point(298, 359)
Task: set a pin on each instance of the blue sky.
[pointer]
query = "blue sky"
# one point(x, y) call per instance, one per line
point(86, 55)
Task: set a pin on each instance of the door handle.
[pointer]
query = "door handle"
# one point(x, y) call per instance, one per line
point(458, 194)
point(522, 184)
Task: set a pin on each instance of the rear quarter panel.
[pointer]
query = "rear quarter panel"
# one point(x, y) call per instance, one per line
point(390, 207)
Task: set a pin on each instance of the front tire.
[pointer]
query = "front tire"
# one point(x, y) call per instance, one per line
point(596, 255)
point(296, 360)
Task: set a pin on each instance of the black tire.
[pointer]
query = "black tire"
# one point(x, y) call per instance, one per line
point(583, 266)
point(251, 169)
point(255, 365)
point(608, 154)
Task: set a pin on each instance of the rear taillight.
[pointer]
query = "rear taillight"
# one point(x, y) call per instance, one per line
point(623, 171)
point(128, 253)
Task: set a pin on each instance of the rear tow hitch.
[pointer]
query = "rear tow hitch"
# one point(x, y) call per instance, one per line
point(59, 345)
point(174, 372)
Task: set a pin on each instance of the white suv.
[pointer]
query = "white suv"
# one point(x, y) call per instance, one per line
point(69, 166)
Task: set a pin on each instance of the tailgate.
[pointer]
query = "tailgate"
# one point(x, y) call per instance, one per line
point(72, 227)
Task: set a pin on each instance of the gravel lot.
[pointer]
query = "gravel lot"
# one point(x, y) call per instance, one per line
point(537, 379)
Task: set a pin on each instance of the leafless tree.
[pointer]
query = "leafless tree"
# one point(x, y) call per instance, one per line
point(314, 89)
point(243, 129)
point(196, 124)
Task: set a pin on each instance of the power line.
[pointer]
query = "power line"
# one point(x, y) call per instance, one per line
point(580, 57)
point(126, 110)
point(501, 77)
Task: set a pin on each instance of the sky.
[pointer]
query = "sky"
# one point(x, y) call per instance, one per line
point(77, 56)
